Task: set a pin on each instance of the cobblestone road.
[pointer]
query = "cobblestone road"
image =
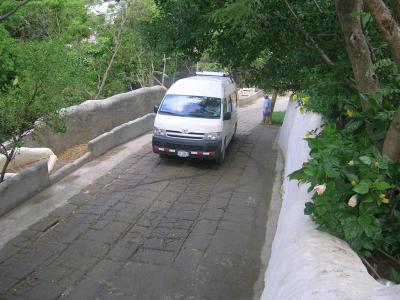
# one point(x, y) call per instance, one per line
point(152, 229)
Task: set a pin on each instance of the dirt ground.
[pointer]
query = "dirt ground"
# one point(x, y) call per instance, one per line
point(70, 155)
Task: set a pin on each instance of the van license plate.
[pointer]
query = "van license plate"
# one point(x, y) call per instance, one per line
point(183, 153)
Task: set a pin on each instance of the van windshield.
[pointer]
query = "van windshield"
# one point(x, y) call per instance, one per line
point(191, 106)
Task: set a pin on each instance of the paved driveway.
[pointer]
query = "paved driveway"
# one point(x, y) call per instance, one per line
point(153, 229)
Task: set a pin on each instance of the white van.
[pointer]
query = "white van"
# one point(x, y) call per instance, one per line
point(197, 117)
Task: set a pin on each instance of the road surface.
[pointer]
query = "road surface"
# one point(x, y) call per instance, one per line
point(154, 228)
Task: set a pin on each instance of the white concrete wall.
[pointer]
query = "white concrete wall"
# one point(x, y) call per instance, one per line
point(307, 264)
point(121, 134)
point(22, 186)
point(95, 117)
point(245, 100)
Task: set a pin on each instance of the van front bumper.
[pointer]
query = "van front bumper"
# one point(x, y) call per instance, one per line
point(195, 148)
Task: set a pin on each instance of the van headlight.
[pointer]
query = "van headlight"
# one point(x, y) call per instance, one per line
point(212, 136)
point(159, 132)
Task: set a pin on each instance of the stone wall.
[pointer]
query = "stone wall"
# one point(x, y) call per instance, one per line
point(22, 186)
point(92, 118)
point(245, 100)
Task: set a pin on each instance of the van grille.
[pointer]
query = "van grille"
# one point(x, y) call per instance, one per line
point(188, 136)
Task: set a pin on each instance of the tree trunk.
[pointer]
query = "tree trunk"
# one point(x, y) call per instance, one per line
point(9, 157)
point(275, 93)
point(3, 171)
point(391, 145)
point(395, 4)
point(391, 33)
point(387, 25)
point(357, 46)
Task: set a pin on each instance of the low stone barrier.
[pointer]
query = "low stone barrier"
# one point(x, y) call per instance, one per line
point(306, 263)
point(95, 117)
point(105, 142)
point(71, 167)
point(121, 134)
point(23, 186)
point(247, 100)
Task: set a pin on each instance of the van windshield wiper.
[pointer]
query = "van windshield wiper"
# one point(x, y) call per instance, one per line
point(203, 116)
point(168, 113)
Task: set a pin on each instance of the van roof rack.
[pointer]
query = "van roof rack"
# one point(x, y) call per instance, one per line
point(220, 74)
point(206, 73)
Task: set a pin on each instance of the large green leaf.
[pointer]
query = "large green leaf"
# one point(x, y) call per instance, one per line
point(362, 187)
point(381, 185)
point(352, 126)
point(366, 160)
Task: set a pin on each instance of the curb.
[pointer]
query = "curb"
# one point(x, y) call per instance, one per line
point(71, 167)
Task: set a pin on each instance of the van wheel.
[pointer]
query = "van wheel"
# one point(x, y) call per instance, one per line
point(234, 132)
point(162, 155)
point(221, 155)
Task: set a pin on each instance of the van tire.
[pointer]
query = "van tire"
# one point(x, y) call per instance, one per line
point(162, 155)
point(234, 133)
point(221, 155)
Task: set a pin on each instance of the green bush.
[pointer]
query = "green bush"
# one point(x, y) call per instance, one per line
point(354, 190)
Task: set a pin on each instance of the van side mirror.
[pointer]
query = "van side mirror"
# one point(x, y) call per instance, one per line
point(155, 109)
point(227, 116)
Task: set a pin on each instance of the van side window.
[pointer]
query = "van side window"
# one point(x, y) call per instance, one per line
point(225, 105)
point(230, 107)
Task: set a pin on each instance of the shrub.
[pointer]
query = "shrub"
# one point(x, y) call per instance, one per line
point(354, 190)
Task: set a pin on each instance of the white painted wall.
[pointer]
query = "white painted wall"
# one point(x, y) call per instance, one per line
point(91, 118)
point(307, 264)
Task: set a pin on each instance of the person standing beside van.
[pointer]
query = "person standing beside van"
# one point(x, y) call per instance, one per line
point(267, 107)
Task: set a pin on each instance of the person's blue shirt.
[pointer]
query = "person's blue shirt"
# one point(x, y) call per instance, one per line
point(267, 104)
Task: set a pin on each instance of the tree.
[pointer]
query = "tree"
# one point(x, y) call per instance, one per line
point(357, 47)
point(13, 10)
point(391, 33)
point(49, 18)
point(276, 45)
point(36, 94)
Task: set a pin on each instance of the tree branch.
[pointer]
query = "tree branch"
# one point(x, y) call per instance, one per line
point(156, 79)
point(317, 5)
point(389, 256)
point(314, 44)
point(372, 269)
point(9, 156)
point(387, 25)
point(13, 11)
point(118, 40)
point(396, 7)
point(3, 149)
